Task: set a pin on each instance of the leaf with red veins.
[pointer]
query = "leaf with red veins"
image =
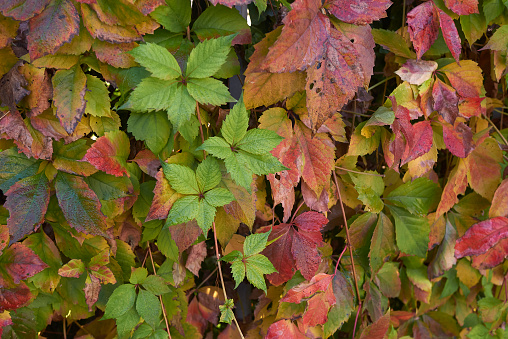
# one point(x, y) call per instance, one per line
point(103, 274)
point(109, 153)
point(164, 198)
point(13, 298)
point(73, 269)
point(450, 34)
point(23, 9)
point(458, 138)
point(196, 256)
point(148, 162)
point(296, 248)
point(333, 80)
point(27, 202)
point(56, 25)
point(230, 3)
point(465, 78)
point(457, 184)
point(481, 237)
point(462, 7)
point(416, 72)
point(423, 27)
point(18, 262)
point(185, 234)
point(301, 42)
point(445, 101)
point(358, 12)
point(284, 329)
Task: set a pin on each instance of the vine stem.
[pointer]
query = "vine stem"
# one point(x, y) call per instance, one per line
point(222, 278)
point(350, 251)
point(160, 298)
point(497, 130)
point(380, 83)
point(358, 172)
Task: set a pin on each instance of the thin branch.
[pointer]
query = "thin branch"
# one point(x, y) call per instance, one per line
point(349, 170)
point(203, 282)
point(64, 329)
point(497, 130)
point(160, 297)
point(348, 244)
point(380, 83)
point(222, 278)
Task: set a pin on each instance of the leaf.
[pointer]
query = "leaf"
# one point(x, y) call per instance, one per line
point(458, 139)
point(378, 329)
point(167, 245)
point(69, 88)
point(13, 298)
point(499, 207)
point(97, 97)
point(483, 169)
point(412, 232)
point(148, 307)
point(418, 196)
point(416, 72)
point(14, 167)
point(445, 101)
point(236, 124)
point(67, 158)
point(481, 237)
point(18, 262)
point(344, 303)
point(185, 234)
point(155, 122)
point(157, 60)
point(457, 184)
point(284, 329)
point(263, 88)
point(23, 9)
point(164, 197)
point(219, 20)
point(255, 243)
point(181, 178)
point(299, 46)
point(182, 106)
point(256, 266)
point(218, 197)
point(49, 30)
point(358, 12)
point(156, 285)
point(226, 311)
point(465, 78)
point(296, 247)
point(109, 153)
point(196, 256)
point(175, 15)
point(462, 7)
point(121, 301)
point(423, 27)
point(207, 58)
point(27, 202)
point(79, 204)
point(73, 269)
point(393, 42)
point(382, 245)
point(369, 188)
point(209, 91)
point(450, 34)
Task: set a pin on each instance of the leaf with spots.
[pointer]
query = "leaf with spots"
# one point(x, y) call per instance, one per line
point(109, 153)
point(23, 9)
point(462, 7)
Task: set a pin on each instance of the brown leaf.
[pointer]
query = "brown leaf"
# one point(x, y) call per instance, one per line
point(185, 234)
point(445, 101)
point(196, 256)
point(115, 54)
point(499, 207)
point(41, 90)
point(12, 88)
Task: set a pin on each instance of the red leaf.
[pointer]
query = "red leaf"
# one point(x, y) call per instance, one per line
point(493, 257)
point(450, 34)
point(311, 199)
point(18, 262)
point(481, 237)
point(423, 27)
point(462, 7)
point(147, 6)
point(27, 202)
point(148, 162)
point(319, 283)
point(13, 127)
point(23, 9)
point(92, 289)
point(484, 169)
point(230, 3)
point(185, 234)
point(465, 78)
point(13, 298)
point(457, 184)
point(296, 248)
point(115, 54)
point(109, 153)
point(377, 329)
point(471, 107)
point(196, 256)
point(284, 329)
point(458, 139)
point(358, 12)
point(445, 101)
point(302, 39)
point(5, 318)
point(56, 25)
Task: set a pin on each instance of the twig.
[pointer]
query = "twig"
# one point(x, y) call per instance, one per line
point(64, 329)
point(222, 278)
point(497, 130)
point(202, 283)
point(380, 83)
point(160, 298)
point(349, 170)
point(348, 244)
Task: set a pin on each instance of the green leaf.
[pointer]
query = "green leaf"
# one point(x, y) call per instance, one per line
point(369, 188)
point(152, 94)
point(97, 97)
point(219, 197)
point(109, 187)
point(412, 232)
point(382, 244)
point(126, 322)
point(156, 285)
point(79, 204)
point(184, 209)
point(218, 147)
point(149, 308)
point(232, 256)
point(492, 9)
point(153, 128)
point(138, 275)
point(67, 158)
point(393, 42)
point(157, 60)
point(73, 269)
point(256, 266)
point(499, 40)
point(208, 57)
point(235, 126)
point(226, 311)
point(473, 26)
point(205, 214)
point(182, 106)
point(255, 243)
point(238, 270)
point(209, 91)
point(208, 174)
point(167, 245)
point(15, 166)
point(182, 178)
point(259, 141)
point(120, 301)
point(220, 20)
point(175, 16)
point(418, 196)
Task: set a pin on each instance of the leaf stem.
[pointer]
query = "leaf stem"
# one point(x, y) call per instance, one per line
point(350, 249)
point(338, 260)
point(297, 209)
point(222, 278)
point(358, 172)
point(380, 83)
point(160, 298)
point(497, 130)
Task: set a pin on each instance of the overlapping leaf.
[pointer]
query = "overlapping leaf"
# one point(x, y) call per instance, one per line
point(109, 153)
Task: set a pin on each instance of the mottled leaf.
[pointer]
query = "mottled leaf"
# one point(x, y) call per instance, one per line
point(109, 153)
point(358, 12)
point(416, 72)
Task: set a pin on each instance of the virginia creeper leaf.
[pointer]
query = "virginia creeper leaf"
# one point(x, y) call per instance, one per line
point(284, 329)
point(148, 307)
point(120, 301)
point(416, 72)
point(483, 169)
point(418, 196)
point(109, 153)
point(97, 97)
point(218, 21)
point(15, 166)
point(499, 207)
point(208, 57)
point(209, 91)
point(175, 15)
point(157, 60)
point(164, 197)
point(155, 122)
point(73, 269)
point(412, 232)
point(382, 245)
point(358, 12)
point(18, 262)
point(23, 9)
point(462, 7)
point(67, 158)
